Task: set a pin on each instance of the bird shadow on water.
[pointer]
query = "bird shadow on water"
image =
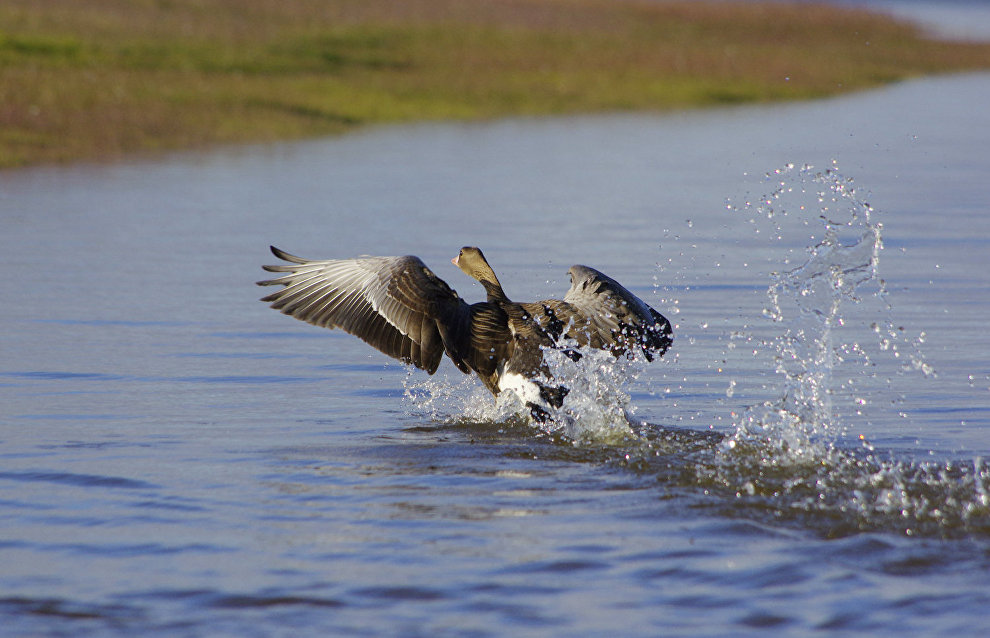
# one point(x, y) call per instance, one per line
point(788, 460)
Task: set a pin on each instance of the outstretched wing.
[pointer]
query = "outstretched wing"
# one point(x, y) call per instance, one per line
point(598, 311)
point(392, 303)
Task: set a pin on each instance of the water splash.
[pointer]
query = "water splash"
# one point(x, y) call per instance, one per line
point(440, 399)
point(792, 452)
point(598, 407)
point(597, 410)
point(832, 310)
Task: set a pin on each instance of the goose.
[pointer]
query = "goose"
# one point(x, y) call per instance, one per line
point(399, 306)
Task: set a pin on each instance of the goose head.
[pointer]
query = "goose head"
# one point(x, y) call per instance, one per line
point(472, 261)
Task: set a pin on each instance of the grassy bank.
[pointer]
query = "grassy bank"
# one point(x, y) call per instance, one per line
point(100, 78)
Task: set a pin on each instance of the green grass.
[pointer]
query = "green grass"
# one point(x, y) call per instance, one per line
point(89, 79)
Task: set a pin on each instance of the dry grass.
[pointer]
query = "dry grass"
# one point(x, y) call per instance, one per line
point(100, 78)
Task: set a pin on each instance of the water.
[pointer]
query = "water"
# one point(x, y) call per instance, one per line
point(962, 20)
point(967, 20)
point(179, 460)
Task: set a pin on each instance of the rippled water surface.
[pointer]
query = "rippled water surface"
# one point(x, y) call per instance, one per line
point(176, 459)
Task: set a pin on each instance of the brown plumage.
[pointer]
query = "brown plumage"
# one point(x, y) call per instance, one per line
point(400, 307)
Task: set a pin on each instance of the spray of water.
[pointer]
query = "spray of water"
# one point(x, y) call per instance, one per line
point(807, 302)
point(833, 323)
point(832, 313)
point(597, 409)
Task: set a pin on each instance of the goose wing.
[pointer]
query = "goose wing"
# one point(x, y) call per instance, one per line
point(598, 311)
point(395, 304)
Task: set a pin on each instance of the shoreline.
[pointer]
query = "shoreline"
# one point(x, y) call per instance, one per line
point(97, 80)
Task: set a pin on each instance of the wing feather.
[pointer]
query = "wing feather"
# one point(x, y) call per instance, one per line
point(392, 303)
point(598, 311)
